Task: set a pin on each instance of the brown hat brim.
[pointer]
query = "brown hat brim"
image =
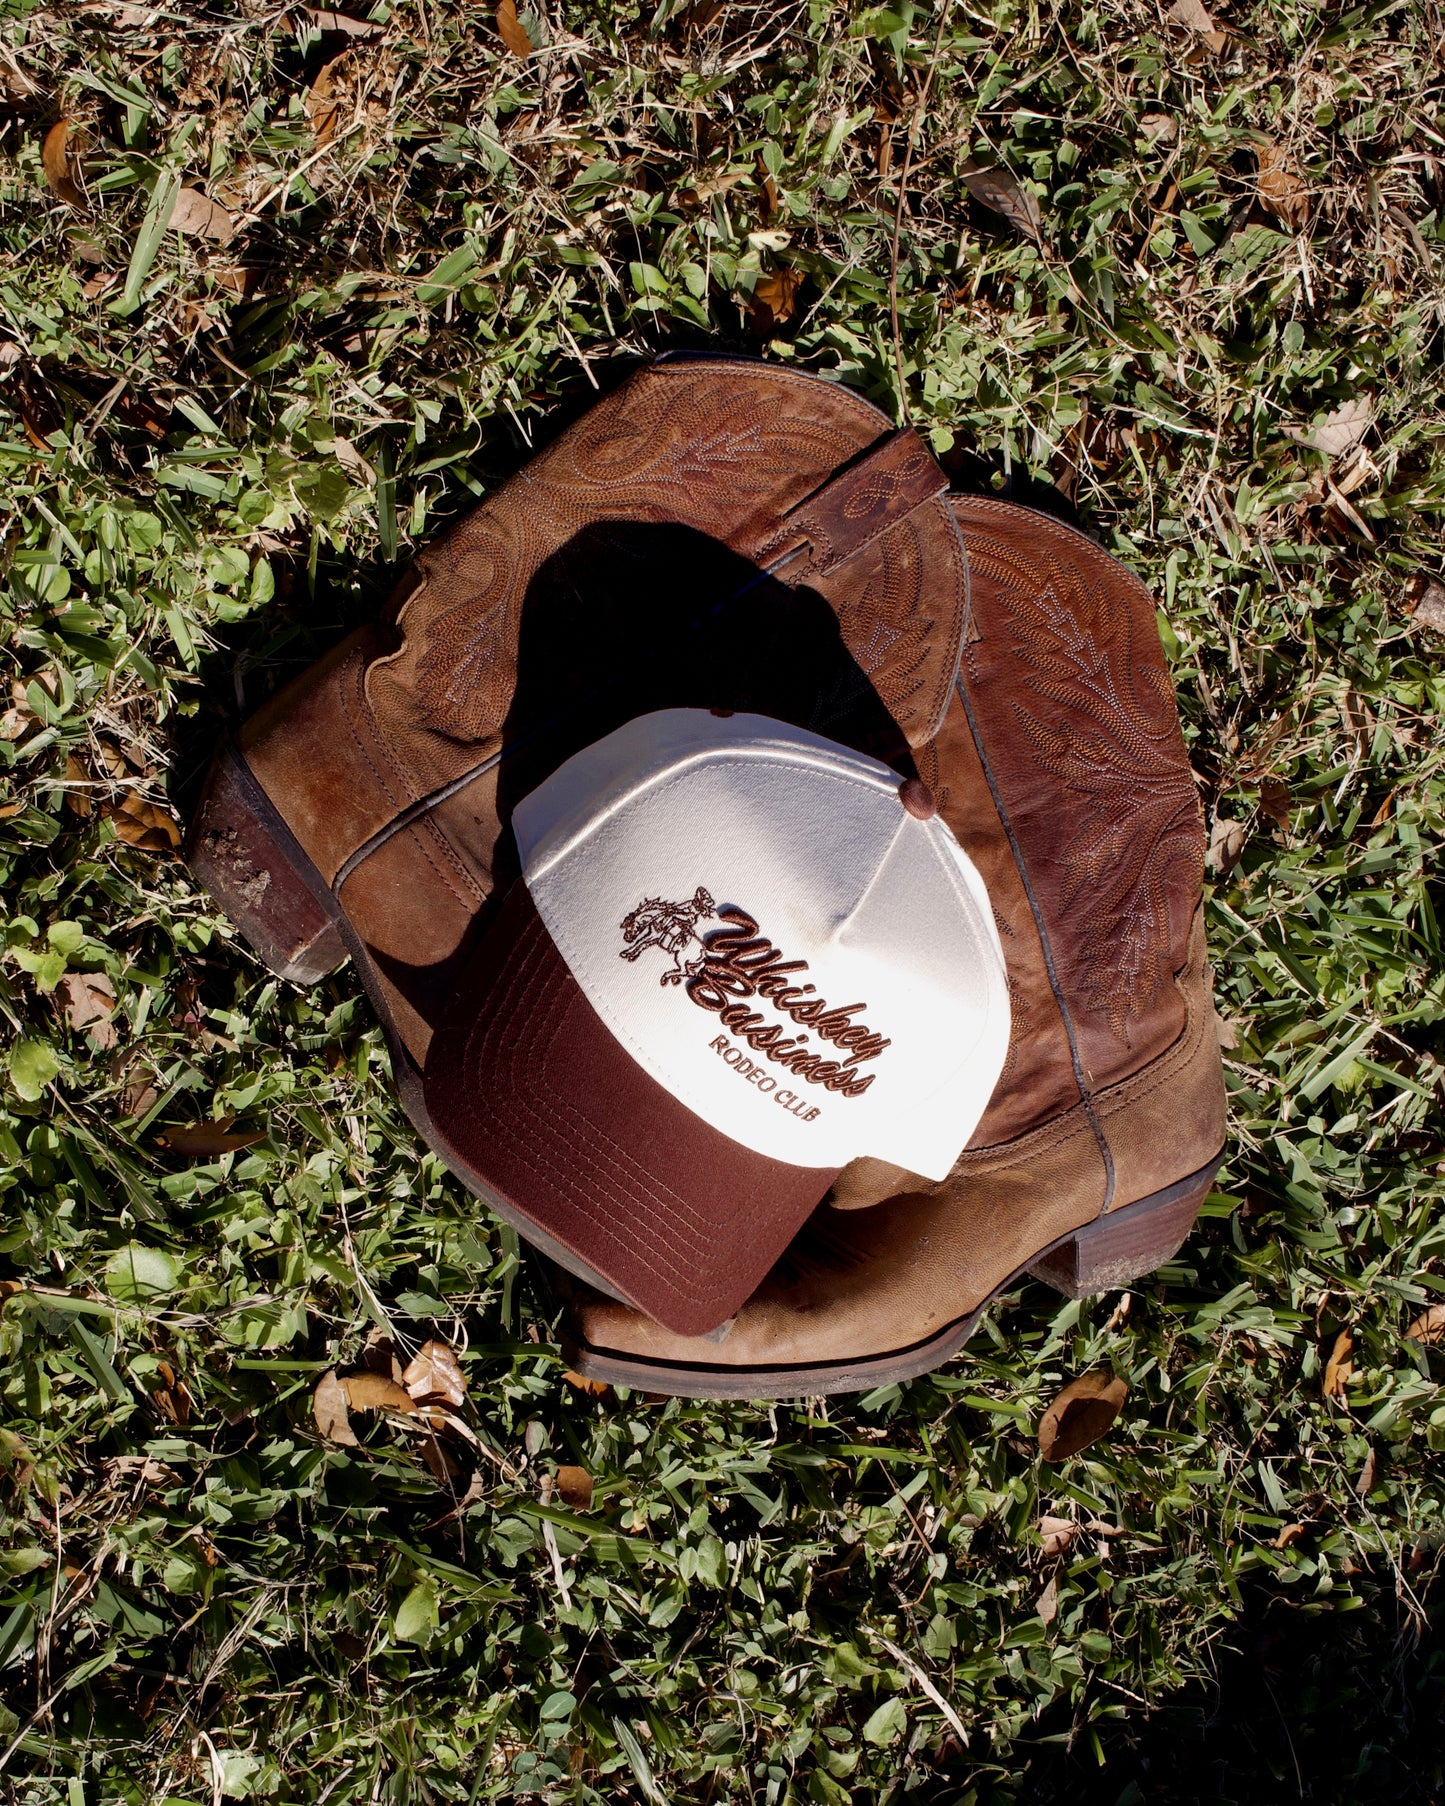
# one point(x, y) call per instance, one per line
point(533, 1093)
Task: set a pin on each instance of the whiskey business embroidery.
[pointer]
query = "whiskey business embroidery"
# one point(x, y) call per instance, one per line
point(737, 964)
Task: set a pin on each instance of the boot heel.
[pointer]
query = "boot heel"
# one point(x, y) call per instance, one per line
point(1128, 1242)
point(251, 863)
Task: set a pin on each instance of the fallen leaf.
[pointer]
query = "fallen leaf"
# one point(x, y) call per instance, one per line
point(144, 825)
point(1159, 128)
point(1290, 1533)
point(511, 30)
point(207, 1140)
point(574, 1487)
point(1226, 843)
point(18, 88)
point(593, 1388)
point(198, 216)
point(442, 1463)
point(78, 799)
point(379, 1355)
point(1429, 1326)
point(55, 160)
point(1081, 1414)
point(773, 301)
point(324, 19)
point(1340, 1365)
point(1342, 428)
point(435, 1374)
point(1274, 799)
point(1425, 598)
point(1193, 16)
point(1226, 1032)
point(322, 106)
point(375, 1392)
point(1048, 1601)
point(1282, 189)
point(89, 999)
point(328, 1407)
point(1000, 189)
point(1369, 1474)
point(1058, 1534)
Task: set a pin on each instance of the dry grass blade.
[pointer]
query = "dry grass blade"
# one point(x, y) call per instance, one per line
point(1082, 1413)
point(511, 29)
point(55, 160)
point(1000, 189)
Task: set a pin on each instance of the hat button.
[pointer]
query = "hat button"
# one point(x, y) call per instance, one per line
point(917, 799)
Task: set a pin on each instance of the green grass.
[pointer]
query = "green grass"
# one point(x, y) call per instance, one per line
point(214, 458)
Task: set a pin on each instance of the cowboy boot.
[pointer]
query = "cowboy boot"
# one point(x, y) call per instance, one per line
point(1061, 769)
point(712, 533)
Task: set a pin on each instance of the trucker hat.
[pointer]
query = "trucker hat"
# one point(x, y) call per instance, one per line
point(738, 957)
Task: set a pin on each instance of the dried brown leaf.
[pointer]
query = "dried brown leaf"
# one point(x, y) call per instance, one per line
point(594, 1388)
point(1195, 17)
point(89, 999)
point(1159, 128)
point(1282, 189)
point(198, 216)
point(574, 1487)
point(440, 1460)
point(325, 19)
point(78, 799)
point(774, 300)
point(1289, 1534)
point(1048, 1601)
point(322, 105)
point(1081, 1414)
point(1274, 799)
point(1058, 1534)
point(1429, 1326)
point(1226, 842)
point(1001, 190)
point(511, 29)
point(207, 1140)
point(144, 825)
point(55, 160)
point(375, 1392)
point(1340, 1365)
point(1369, 1474)
point(379, 1355)
point(1425, 599)
point(1342, 428)
point(435, 1374)
point(328, 1407)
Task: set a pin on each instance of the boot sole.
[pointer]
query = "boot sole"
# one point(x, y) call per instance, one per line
point(1120, 1246)
point(245, 855)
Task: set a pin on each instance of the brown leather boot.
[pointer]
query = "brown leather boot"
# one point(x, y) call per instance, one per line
point(713, 533)
point(1060, 767)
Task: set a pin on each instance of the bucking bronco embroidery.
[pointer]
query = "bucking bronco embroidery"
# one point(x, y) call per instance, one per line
point(670, 926)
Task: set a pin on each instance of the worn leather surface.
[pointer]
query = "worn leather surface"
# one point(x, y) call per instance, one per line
point(720, 534)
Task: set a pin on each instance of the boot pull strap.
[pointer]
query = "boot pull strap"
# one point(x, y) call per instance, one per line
point(865, 498)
